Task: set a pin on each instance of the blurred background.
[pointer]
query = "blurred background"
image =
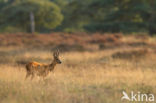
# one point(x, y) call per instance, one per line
point(44, 16)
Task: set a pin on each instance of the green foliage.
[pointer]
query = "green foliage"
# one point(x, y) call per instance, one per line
point(11, 29)
point(118, 16)
point(47, 14)
point(80, 15)
point(75, 15)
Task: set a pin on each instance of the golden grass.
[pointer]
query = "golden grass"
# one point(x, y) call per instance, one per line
point(84, 77)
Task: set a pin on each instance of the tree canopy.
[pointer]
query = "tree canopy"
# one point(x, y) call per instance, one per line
point(16, 13)
point(79, 15)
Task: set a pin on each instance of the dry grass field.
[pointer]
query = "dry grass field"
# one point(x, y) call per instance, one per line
point(96, 75)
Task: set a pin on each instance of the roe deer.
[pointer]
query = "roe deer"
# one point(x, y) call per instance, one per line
point(35, 68)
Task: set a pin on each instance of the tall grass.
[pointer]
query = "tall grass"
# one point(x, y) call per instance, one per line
point(84, 77)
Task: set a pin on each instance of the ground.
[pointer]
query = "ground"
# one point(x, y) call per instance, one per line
point(97, 75)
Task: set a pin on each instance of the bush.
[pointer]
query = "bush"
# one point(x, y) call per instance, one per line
point(11, 29)
point(133, 54)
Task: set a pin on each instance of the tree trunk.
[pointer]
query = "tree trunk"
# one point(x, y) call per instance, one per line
point(32, 22)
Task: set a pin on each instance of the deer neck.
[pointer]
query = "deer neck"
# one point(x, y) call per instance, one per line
point(52, 66)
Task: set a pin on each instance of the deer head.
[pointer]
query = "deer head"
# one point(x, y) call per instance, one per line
point(56, 57)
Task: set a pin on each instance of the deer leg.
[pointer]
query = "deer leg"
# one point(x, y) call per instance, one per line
point(27, 75)
point(32, 76)
point(43, 77)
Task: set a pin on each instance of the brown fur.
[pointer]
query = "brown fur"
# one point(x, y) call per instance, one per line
point(35, 68)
